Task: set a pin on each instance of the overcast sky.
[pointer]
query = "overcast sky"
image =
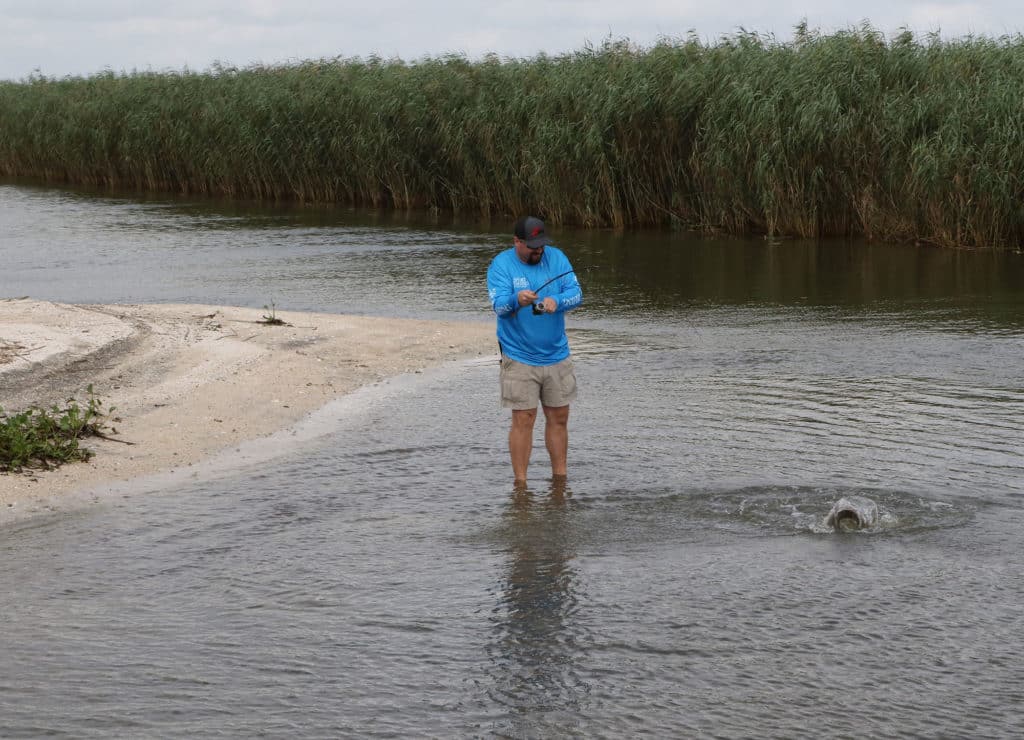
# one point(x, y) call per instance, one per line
point(65, 37)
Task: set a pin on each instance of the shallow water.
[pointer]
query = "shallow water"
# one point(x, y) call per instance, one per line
point(384, 579)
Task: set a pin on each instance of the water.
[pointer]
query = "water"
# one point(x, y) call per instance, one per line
point(384, 579)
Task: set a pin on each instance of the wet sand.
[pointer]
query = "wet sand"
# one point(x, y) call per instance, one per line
point(188, 382)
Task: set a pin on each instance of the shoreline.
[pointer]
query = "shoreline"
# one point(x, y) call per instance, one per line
point(189, 382)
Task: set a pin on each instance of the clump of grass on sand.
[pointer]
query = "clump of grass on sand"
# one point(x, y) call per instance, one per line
point(41, 438)
point(271, 318)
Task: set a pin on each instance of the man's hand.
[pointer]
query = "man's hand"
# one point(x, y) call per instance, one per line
point(550, 305)
point(526, 297)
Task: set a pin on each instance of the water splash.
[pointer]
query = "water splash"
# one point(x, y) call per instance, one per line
point(853, 513)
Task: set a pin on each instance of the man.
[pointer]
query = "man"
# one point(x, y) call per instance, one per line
point(531, 287)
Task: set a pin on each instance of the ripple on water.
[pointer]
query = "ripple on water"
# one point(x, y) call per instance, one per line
point(641, 517)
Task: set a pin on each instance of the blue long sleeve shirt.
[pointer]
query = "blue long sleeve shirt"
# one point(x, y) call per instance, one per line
point(525, 337)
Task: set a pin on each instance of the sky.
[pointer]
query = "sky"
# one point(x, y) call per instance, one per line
point(57, 38)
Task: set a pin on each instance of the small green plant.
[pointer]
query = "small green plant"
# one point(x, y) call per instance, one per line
point(40, 438)
point(270, 317)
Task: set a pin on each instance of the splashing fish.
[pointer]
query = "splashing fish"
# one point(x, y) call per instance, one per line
point(851, 513)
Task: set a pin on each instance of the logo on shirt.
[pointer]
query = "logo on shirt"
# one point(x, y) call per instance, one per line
point(520, 283)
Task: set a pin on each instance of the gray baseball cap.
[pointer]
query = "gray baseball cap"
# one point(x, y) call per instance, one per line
point(531, 230)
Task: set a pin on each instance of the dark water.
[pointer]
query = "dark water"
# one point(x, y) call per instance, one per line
point(384, 579)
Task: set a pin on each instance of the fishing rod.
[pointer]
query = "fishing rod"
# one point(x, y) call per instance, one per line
point(567, 272)
point(538, 308)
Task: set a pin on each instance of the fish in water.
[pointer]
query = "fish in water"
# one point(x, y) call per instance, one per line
point(852, 512)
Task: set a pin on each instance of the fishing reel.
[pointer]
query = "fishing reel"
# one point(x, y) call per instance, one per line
point(538, 308)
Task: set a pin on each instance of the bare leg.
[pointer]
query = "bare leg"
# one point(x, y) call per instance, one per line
point(556, 437)
point(520, 441)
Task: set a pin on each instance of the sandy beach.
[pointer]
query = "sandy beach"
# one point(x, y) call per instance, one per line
point(190, 381)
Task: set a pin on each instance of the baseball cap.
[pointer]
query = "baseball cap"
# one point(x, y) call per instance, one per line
point(531, 230)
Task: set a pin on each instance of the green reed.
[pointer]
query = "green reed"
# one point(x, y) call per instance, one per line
point(909, 139)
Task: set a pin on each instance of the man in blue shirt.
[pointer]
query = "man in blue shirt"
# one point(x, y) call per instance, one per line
point(531, 287)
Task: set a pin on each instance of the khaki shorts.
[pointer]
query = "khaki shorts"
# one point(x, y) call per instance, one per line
point(522, 386)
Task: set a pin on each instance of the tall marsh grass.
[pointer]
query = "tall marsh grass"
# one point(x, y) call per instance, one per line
point(851, 133)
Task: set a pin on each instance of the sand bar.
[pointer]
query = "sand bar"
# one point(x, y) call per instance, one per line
point(190, 381)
